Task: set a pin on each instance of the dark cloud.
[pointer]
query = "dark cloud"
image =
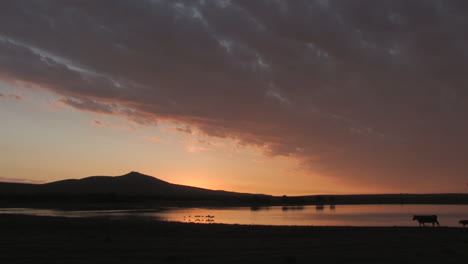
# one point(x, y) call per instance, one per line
point(86, 104)
point(365, 91)
point(90, 105)
point(186, 130)
point(97, 122)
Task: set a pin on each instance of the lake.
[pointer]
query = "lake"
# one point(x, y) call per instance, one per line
point(340, 215)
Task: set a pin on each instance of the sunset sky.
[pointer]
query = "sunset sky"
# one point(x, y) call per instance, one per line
point(267, 96)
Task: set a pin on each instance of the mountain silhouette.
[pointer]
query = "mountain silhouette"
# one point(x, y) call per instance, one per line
point(132, 183)
point(135, 186)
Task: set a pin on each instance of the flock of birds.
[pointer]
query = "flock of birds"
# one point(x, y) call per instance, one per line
point(199, 219)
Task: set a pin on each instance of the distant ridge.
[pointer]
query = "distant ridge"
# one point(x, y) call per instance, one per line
point(137, 187)
point(132, 183)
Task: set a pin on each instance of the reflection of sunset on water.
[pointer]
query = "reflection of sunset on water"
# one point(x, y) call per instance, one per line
point(340, 215)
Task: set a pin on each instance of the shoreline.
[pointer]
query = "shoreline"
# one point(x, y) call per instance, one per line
point(39, 239)
point(186, 204)
point(345, 215)
point(8, 198)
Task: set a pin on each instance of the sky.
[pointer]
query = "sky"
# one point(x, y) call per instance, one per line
point(268, 96)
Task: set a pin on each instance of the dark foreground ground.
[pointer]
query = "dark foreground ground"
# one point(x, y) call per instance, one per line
point(33, 239)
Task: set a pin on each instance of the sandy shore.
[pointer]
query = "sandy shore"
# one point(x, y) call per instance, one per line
point(33, 239)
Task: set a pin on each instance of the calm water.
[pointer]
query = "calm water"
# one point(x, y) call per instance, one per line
point(341, 215)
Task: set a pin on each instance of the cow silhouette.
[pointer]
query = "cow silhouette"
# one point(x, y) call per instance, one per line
point(463, 222)
point(422, 219)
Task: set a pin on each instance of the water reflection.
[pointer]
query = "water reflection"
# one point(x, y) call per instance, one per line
point(258, 208)
point(293, 208)
point(343, 215)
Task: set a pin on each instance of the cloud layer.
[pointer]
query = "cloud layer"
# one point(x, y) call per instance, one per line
point(369, 92)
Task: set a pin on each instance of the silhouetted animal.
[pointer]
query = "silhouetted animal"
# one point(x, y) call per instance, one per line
point(426, 219)
point(464, 222)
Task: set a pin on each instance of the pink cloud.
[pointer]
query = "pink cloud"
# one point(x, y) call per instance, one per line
point(204, 142)
point(154, 139)
point(11, 96)
point(126, 127)
point(16, 180)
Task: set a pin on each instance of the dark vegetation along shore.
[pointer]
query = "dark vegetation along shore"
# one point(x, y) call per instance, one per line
point(36, 239)
point(135, 189)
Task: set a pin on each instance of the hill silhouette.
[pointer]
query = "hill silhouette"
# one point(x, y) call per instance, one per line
point(133, 183)
point(135, 187)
